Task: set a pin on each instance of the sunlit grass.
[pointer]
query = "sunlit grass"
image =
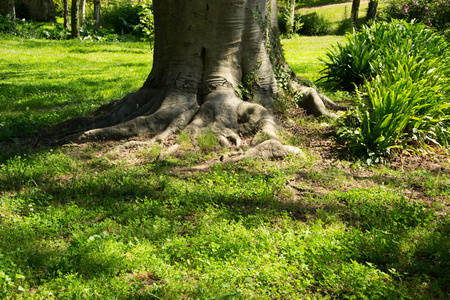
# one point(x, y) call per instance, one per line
point(68, 77)
point(303, 54)
point(91, 221)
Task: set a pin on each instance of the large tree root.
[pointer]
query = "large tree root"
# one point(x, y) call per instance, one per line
point(160, 114)
point(222, 112)
point(315, 102)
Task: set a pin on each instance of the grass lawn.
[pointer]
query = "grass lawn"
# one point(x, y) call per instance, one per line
point(303, 54)
point(93, 221)
point(337, 13)
point(59, 79)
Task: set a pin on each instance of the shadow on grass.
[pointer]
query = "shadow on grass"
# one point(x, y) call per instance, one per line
point(103, 199)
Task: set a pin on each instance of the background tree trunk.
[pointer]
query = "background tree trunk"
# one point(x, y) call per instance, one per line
point(290, 16)
point(97, 15)
point(82, 12)
point(75, 19)
point(66, 14)
point(355, 12)
point(12, 8)
point(372, 11)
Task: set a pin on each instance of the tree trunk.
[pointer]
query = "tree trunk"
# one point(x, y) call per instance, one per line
point(82, 12)
point(12, 8)
point(290, 16)
point(66, 14)
point(75, 19)
point(355, 12)
point(205, 53)
point(372, 11)
point(97, 15)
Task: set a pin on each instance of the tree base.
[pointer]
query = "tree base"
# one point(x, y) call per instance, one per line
point(160, 113)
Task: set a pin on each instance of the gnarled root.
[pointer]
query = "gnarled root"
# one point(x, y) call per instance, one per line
point(315, 102)
point(222, 112)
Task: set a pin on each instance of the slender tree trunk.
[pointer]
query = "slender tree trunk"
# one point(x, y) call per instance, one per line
point(97, 15)
point(12, 8)
point(75, 19)
point(212, 69)
point(355, 12)
point(372, 11)
point(82, 12)
point(290, 22)
point(66, 14)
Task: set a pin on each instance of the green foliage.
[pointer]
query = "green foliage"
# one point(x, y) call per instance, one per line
point(147, 23)
point(406, 104)
point(207, 141)
point(11, 277)
point(123, 17)
point(362, 56)
point(27, 29)
point(384, 211)
point(129, 18)
point(245, 89)
point(351, 63)
point(314, 24)
point(433, 13)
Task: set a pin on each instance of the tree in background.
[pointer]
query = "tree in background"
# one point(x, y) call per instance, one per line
point(372, 11)
point(75, 19)
point(289, 15)
point(12, 8)
point(355, 12)
point(66, 14)
point(97, 15)
point(81, 12)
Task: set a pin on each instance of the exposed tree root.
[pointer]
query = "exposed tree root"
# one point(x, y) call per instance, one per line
point(222, 112)
point(161, 114)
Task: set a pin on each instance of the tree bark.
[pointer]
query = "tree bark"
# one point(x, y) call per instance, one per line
point(82, 12)
point(12, 8)
point(372, 11)
point(290, 16)
point(97, 15)
point(205, 50)
point(66, 14)
point(75, 19)
point(355, 12)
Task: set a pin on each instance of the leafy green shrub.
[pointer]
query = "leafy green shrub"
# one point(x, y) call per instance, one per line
point(313, 24)
point(147, 23)
point(430, 12)
point(350, 64)
point(123, 17)
point(406, 105)
point(27, 29)
point(19, 27)
point(362, 57)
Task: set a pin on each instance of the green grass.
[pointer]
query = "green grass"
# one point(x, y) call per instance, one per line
point(94, 222)
point(335, 14)
point(56, 80)
point(303, 54)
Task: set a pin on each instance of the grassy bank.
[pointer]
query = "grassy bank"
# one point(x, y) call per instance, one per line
point(92, 221)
